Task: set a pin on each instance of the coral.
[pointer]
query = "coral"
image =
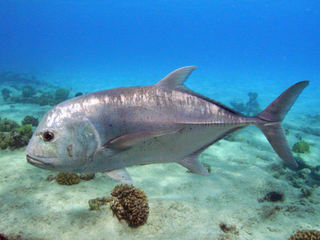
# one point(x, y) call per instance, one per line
point(227, 228)
point(5, 94)
point(4, 142)
point(50, 178)
point(45, 99)
point(207, 166)
point(298, 136)
point(4, 237)
point(272, 197)
point(305, 176)
point(19, 137)
point(286, 131)
point(313, 118)
point(6, 125)
point(61, 95)
point(238, 106)
point(16, 99)
point(97, 203)
point(301, 163)
point(269, 211)
point(251, 108)
point(30, 94)
point(315, 173)
point(87, 176)
point(16, 87)
point(301, 147)
point(306, 235)
point(28, 91)
point(25, 130)
point(306, 192)
point(12, 77)
point(303, 173)
point(65, 178)
point(130, 203)
point(30, 120)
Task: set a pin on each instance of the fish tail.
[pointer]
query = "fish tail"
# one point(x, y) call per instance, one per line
point(269, 122)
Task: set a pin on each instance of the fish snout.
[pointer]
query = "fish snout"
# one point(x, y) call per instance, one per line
point(39, 162)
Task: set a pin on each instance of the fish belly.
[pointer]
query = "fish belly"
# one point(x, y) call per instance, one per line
point(174, 147)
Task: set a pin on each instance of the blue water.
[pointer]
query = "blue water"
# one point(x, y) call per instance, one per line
point(239, 47)
point(116, 43)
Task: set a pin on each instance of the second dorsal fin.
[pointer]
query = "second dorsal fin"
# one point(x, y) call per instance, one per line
point(176, 78)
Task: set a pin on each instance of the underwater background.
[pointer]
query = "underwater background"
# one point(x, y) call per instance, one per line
point(247, 53)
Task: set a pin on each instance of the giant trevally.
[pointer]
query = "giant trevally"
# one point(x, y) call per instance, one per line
point(110, 130)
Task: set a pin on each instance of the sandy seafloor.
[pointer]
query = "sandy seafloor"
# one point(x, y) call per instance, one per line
point(182, 205)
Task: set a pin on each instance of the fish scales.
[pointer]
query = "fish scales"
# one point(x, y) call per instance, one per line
point(110, 130)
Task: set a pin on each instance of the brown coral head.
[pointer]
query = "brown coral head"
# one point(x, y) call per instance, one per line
point(65, 178)
point(306, 235)
point(131, 204)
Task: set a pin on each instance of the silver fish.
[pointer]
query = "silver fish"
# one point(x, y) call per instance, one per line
point(110, 130)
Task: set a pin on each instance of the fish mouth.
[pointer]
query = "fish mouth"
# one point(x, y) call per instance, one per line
point(39, 162)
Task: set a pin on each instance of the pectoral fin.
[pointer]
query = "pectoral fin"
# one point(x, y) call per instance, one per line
point(120, 175)
point(128, 140)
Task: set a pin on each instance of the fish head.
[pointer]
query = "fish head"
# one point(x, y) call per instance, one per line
point(62, 142)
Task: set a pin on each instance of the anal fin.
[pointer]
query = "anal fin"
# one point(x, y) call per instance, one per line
point(120, 175)
point(192, 163)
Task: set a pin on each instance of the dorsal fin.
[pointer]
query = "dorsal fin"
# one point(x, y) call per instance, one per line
point(176, 78)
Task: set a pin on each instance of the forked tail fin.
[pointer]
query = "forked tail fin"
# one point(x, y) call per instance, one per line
point(272, 117)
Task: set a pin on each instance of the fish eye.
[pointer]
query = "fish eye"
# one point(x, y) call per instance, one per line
point(47, 136)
